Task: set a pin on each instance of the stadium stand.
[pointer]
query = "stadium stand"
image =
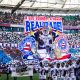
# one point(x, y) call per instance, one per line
point(8, 18)
point(11, 36)
point(43, 53)
point(18, 19)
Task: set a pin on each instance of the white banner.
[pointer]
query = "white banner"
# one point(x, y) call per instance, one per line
point(16, 25)
point(27, 72)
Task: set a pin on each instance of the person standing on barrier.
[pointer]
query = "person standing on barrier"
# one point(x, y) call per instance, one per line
point(77, 70)
point(72, 71)
point(12, 68)
point(62, 71)
point(58, 71)
point(53, 72)
point(67, 71)
point(31, 78)
point(8, 72)
point(49, 71)
point(42, 72)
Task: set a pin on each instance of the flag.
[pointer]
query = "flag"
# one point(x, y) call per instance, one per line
point(27, 47)
point(65, 57)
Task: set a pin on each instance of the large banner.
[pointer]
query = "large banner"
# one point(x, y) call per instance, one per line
point(62, 47)
point(38, 22)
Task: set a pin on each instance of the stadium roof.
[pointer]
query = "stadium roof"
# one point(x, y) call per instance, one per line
point(44, 4)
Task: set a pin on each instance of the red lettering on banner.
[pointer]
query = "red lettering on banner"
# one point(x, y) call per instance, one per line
point(52, 18)
point(30, 17)
point(41, 18)
point(55, 18)
point(58, 18)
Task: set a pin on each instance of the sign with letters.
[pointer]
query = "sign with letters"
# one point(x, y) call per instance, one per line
point(38, 22)
point(27, 72)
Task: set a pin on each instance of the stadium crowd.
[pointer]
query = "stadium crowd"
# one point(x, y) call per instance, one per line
point(17, 18)
point(11, 37)
point(74, 42)
point(10, 40)
point(11, 19)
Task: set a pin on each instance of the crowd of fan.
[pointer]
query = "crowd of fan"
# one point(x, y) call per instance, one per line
point(74, 42)
point(14, 53)
point(11, 19)
point(11, 39)
point(18, 19)
point(69, 21)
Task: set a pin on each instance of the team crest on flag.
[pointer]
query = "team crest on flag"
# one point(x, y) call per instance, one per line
point(25, 46)
point(61, 43)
